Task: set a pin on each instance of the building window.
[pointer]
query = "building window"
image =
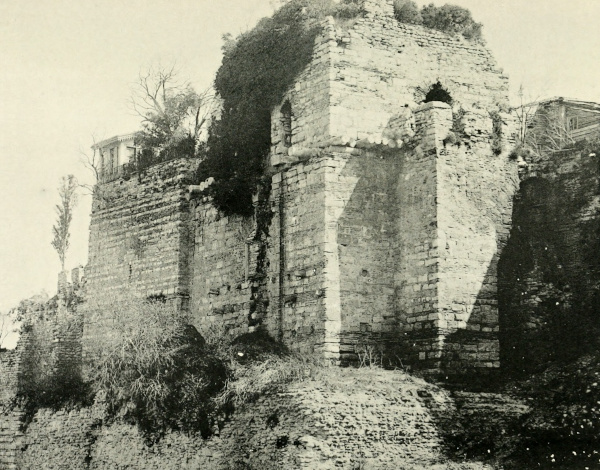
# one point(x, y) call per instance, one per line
point(286, 123)
point(572, 123)
point(112, 160)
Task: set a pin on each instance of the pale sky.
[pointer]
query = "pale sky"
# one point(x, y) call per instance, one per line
point(66, 68)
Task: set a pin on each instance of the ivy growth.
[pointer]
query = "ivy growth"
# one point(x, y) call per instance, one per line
point(257, 69)
point(497, 133)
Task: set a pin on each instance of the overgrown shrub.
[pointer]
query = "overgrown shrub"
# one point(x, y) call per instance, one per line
point(158, 372)
point(451, 19)
point(407, 11)
point(257, 69)
point(155, 371)
point(448, 18)
point(497, 133)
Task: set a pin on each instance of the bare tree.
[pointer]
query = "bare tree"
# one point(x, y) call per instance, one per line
point(541, 127)
point(172, 111)
point(5, 327)
point(548, 131)
point(93, 164)
point(68, 200)
point(524, 114)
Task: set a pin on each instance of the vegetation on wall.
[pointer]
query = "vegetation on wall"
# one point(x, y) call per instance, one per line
point(497, 132)
point(174, 116)
point(448, 18)
point(155, 371)
point(257, 69)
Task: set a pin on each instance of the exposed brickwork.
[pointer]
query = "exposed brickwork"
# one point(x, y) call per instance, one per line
point(342, 419)
point(49, 348)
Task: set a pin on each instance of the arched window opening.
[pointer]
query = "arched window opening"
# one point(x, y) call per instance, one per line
point(438, 93)
point(286, 123)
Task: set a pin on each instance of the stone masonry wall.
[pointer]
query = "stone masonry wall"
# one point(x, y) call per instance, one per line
point(48, 354)
point(10, 419)
point(380, 65)
point(549, 274)
point(411, 237)
point(9, 371)
point(309, 100)
point(362, 210)
point(416, 277)
point(140, 240)
point(474, 205)
point(224, 265)
point(296, 258)
point(10, 437)
point(369, 74)
point(366, 71)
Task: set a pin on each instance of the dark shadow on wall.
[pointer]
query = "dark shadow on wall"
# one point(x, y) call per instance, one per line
point(470, 355)
point(549, 276)
point(365, 240)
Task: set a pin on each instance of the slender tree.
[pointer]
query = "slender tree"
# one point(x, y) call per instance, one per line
point(64, 211)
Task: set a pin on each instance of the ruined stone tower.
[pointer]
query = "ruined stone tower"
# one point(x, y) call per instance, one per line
point(391, 226)
point(384, 218)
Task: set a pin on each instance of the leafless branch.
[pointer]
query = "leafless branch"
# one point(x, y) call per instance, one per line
point(541, 129)
point(4, 328)
point(170, 110)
